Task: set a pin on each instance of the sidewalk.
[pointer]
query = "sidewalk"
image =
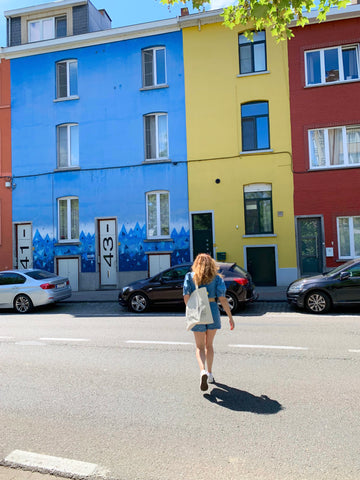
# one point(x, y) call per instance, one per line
point(266, 294)
point(7, 473)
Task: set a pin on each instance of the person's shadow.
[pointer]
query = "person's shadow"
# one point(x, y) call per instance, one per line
point(240, 401)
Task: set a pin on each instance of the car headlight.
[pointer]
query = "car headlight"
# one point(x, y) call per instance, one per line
point(296, 287)
point(125, 290)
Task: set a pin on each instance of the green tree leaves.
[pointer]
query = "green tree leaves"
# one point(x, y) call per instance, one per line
point(275, 15)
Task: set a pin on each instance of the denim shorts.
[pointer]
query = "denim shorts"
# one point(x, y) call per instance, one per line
point(212, 326)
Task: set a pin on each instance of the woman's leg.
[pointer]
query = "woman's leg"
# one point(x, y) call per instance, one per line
point(209, 349)
point(200, 340)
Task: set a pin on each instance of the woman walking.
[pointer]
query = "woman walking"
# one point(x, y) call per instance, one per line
point(205, 274)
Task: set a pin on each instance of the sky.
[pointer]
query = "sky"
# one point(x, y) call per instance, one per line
point(121, 12)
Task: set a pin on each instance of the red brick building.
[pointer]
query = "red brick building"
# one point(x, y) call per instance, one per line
point(5, 168)
point(324, 76)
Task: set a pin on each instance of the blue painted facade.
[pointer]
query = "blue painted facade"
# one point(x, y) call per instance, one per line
point(113, 177)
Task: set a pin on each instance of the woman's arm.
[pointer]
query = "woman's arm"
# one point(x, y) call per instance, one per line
point(225, 305)
point(186, 298)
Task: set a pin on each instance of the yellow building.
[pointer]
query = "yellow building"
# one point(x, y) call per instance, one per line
point(239, 148)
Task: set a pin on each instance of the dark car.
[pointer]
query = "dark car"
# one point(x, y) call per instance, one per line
point(167, 288)
point(319, 293)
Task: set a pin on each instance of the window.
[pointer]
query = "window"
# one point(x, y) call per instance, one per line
point(47, 28)
point(252, 54)
point(68, 210)
point(11, 279)
point(156, 136)
point(66, 79)
point(68, 145)
point(338, 64)
point(348, 236)
point(255, 126)
point(158, 214)
point(154, 67)
point(258, 209)
point(334, 147)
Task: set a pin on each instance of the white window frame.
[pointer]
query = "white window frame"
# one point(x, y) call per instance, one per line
point(158, 215)
point(157, 154)
point(68, 85)
point(340, 62)
point(68, 128)
point(327, 165)
point(351, 237)
point(68, 211)
point(41, 21)
point(154, 67)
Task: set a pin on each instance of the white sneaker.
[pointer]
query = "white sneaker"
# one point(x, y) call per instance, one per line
point(211, 378)
point(203, 381)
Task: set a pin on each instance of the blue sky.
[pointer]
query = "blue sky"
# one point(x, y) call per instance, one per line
point(122, 12)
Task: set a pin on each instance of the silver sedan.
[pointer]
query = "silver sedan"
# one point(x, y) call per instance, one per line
point(25, 289)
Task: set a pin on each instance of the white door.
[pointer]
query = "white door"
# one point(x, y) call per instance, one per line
point(24, 245)
point(69, 267)
point(158, 263)
point(107, 246)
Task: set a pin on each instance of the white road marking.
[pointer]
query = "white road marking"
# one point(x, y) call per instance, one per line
point(53, 339)
point(354, 351)
point(158, 343)
point(53, 464)
point(275, 347)
point(6, 338)
point(30, 343)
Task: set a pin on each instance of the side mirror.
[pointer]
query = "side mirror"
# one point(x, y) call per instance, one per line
point(344, 275)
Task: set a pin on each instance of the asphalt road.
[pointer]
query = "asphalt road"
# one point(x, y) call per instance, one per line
point(92, 383)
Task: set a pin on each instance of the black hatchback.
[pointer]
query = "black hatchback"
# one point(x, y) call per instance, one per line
point(319, 293)
point(167, 288)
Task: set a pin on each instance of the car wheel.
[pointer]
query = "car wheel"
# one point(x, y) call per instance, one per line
point(23, 304)
point(138, 303)
point(232, 300)
point(317, 302)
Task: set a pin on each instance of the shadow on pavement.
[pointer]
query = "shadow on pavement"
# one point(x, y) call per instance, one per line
point(241, 401)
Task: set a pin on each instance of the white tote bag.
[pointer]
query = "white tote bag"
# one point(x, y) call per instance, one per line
point(198, 311)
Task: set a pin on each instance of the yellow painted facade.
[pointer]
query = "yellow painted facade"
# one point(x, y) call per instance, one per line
point(214, 94)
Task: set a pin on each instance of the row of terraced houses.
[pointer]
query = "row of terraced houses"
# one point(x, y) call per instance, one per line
point(127, 150)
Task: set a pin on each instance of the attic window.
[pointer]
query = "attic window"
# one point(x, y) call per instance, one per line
point(47, 28)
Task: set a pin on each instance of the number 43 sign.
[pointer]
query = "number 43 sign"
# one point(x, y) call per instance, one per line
point(108, 255)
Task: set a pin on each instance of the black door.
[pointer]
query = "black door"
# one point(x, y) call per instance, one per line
point(202, 233)
point(261, 265)
point(310, 245)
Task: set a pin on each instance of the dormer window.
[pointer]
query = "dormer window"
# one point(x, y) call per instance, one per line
point(47, 28)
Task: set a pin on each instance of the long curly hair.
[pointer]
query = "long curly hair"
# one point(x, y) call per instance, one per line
point(205, 269)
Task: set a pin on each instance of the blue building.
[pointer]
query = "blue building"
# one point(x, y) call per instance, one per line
point(98, 144)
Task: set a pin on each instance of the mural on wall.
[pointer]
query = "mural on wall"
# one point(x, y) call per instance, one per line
point(132, 244)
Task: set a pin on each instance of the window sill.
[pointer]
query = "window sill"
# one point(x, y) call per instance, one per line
point(261, 235)
point(340, 82)
point(334, 167)
point(66, 169)
point(157, 160)
point(254, 152)
point(241, 75)
point(154, 87)
point(159, 252)
point(158, 240)
point(66, 99)
point(68, 243)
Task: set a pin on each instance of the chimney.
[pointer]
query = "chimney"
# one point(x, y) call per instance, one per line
point(185, 11)
point(355, 2)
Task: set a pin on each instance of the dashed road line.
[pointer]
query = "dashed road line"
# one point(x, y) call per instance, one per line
point(154, 342)
point(354, 351)
point(58, 465)
point(268, 347)
point(54, 339)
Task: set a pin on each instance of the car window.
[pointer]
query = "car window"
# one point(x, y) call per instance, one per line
point(40, 274)
point(177, 273)
point(239, 270)
point(355, 271)
point(11, 278)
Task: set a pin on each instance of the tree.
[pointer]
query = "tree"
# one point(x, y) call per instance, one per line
point(276, 15)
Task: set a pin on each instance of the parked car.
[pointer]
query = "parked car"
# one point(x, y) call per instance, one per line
point(321, 292)
point(25, 289)
point(167, 288)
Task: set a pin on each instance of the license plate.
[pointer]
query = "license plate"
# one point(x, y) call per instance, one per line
point(61, 285)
